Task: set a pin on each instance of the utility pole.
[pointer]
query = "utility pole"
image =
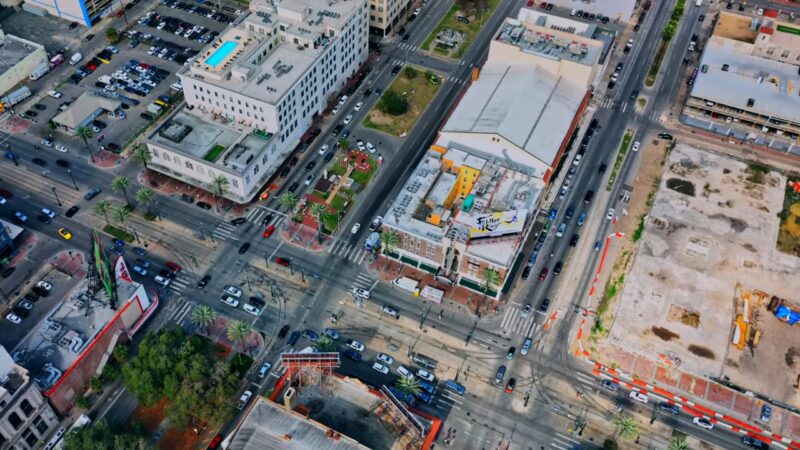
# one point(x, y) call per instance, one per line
point(69, 171)
point(425, 310)
point(56, 194)
point(472, 330)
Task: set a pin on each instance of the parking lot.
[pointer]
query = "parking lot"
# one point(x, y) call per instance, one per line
point(139, 71)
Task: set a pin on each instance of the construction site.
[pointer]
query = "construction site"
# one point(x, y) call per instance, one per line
point(312, 406)
point(709, 293)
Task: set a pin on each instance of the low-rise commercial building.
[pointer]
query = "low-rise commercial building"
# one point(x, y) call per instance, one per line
point(747, 84)
point(385, 15)
point(87, 107)
point(26, 417)
point(18, 58)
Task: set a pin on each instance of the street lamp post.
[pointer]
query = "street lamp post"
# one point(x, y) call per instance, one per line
point(56, 194)
point(69, 171)
point(158, 211)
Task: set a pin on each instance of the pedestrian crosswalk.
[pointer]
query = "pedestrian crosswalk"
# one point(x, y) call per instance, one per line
point(279, 369)
point(178, 310)
point(515, 323)
point(406, 47)
point(447, 400)
point(563, 442)
point(351, 252)
point(456, 80)
point(607, 103)
point(259, 213)
point(655, 116)
point(179, 283)
point(224, 231)
point(363, 281)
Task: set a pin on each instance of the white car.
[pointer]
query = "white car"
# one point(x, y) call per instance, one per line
point(361, 146)
point(46, 143)
point(358, 106)
point(3, 200)
point(404, 372)
point(323, 149)
point(62, 149)
point(26, 305)
point(384, 358)
point(355, 345)
point(526, 311)
point(251, 309)
point(638, 396)
point(140, 270)
point(45, 285)
point(54, 94)
point(355, 228)
point(230, 301)
point(243, 400)
point(309, 179)
point(233, 290)
point(425, 375)
point(347, 119)
point(417, 11)
point(48, 213)
point(610, 214)
point(577, 160)
point(264, 370)
point(370, 147)
point(363, 293)
point(163, 281)
point(113, 50)
point(13, 318)
point(343, 99)
point(703, 423)
point(380, 368)
point(336, 108)
point(636, 146)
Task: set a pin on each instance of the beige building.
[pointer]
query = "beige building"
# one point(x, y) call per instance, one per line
point(18, 59)
point(84, 12)
point(26, 417)
point(385, 15)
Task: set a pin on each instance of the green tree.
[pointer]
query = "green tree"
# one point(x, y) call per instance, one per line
point(104, 207)
point(238, 331)
point(99, 436)
point(410, 72)
point(121, 353)
point(96, 384)
point(84, 134)
point(120, 184)
point(203, 316)
point(143, 155)
point(626, 426)
point(145, 196)
point(678, 443)
point(324, 344)
point(317, 210)
point(393, 103)
point(408, 385)
point(112, 35)
point(289, 200)
point(344, 144)
point(122, 215)
point(391, 240)
point(491, 278)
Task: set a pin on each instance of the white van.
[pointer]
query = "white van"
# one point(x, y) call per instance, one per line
point(76, 58)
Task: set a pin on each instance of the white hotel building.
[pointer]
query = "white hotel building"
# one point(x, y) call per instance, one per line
point(268, 74)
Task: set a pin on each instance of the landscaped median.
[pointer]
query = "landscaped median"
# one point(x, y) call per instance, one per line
point(666, 37)
point(459, 27)
point(401, 105)
point(623, 150)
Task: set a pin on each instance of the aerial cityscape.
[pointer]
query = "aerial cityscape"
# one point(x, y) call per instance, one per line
point(399, 224)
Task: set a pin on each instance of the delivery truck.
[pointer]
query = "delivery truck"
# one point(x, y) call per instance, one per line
point(407, 284)
point(16, 96)
point(39, 71)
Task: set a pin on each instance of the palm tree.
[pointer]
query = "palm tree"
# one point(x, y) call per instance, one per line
point(103, 207)
point(238, 332)
point(317, 210)
point(289, 200)
point(627, 428)
point(678, 443)
point(120, 184)
point(220, 186)
point(324, 344)
point(84, 133)
point(122, 215)
point(344, 144)
point(203, 316)
point(408, 385)
point(143, 155)
point(145, 196)
point(391, 240)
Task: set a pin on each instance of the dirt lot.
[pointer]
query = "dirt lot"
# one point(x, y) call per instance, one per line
point(709, 237)
point(736, 27)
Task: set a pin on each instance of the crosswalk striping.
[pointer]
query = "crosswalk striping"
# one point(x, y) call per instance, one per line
point(223, 231)
point(363, 281)
point(563, 442)
point(179, 283)
point(351, 252)
point(607, 103)
point(515, 323)
point(179, 310)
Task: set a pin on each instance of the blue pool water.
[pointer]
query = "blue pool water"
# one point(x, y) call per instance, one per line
point(222, 52)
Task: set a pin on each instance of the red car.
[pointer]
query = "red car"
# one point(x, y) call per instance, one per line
point(174, 267)
point(283, 261)
point(530, 2)
point(543, 5)
point(269, 230)
point(543, 274)
point(215, 442)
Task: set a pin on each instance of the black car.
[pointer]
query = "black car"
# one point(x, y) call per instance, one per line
point(368, 92)
point(670, 408)
point(32, 296)
point(22, 312)
point(7, 272)
point(574, 240)
point(166, 273)
point(267, 219)
point(256, 301)
point(72, 210)
point(39, 162)
point(285, 172)
point(293, 161)
point(589, 196)
point(187, 198)
point(146, 116)
point(243, 249)
point(238, 221)
point(665, 136)
point(634, 94)
point(545, 304)
point(619, 67)
point(204, 281)
point(310, 165)
point(62, 163)
point(30, 114)
point(526, 272)
point(337, 129)
point(611, 84)
point(282, 333)
point(329, 156)
point(352, 354)
point(203, 205)
point(602, 169)
point(41, 291)
point(44, 218)
point(752, 442)
point(293, 338)
point(557, 268)
point(40, 107)
point(406, 37)
point(293, 187)
point(88, 37)
point(396, 69)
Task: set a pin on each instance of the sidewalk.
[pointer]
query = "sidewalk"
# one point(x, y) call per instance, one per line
point(172, 187)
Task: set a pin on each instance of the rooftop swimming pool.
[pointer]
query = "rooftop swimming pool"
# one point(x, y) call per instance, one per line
point(221, 53)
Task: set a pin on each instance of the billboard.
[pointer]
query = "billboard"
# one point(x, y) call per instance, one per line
point(497, 224)
point(101, 266)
